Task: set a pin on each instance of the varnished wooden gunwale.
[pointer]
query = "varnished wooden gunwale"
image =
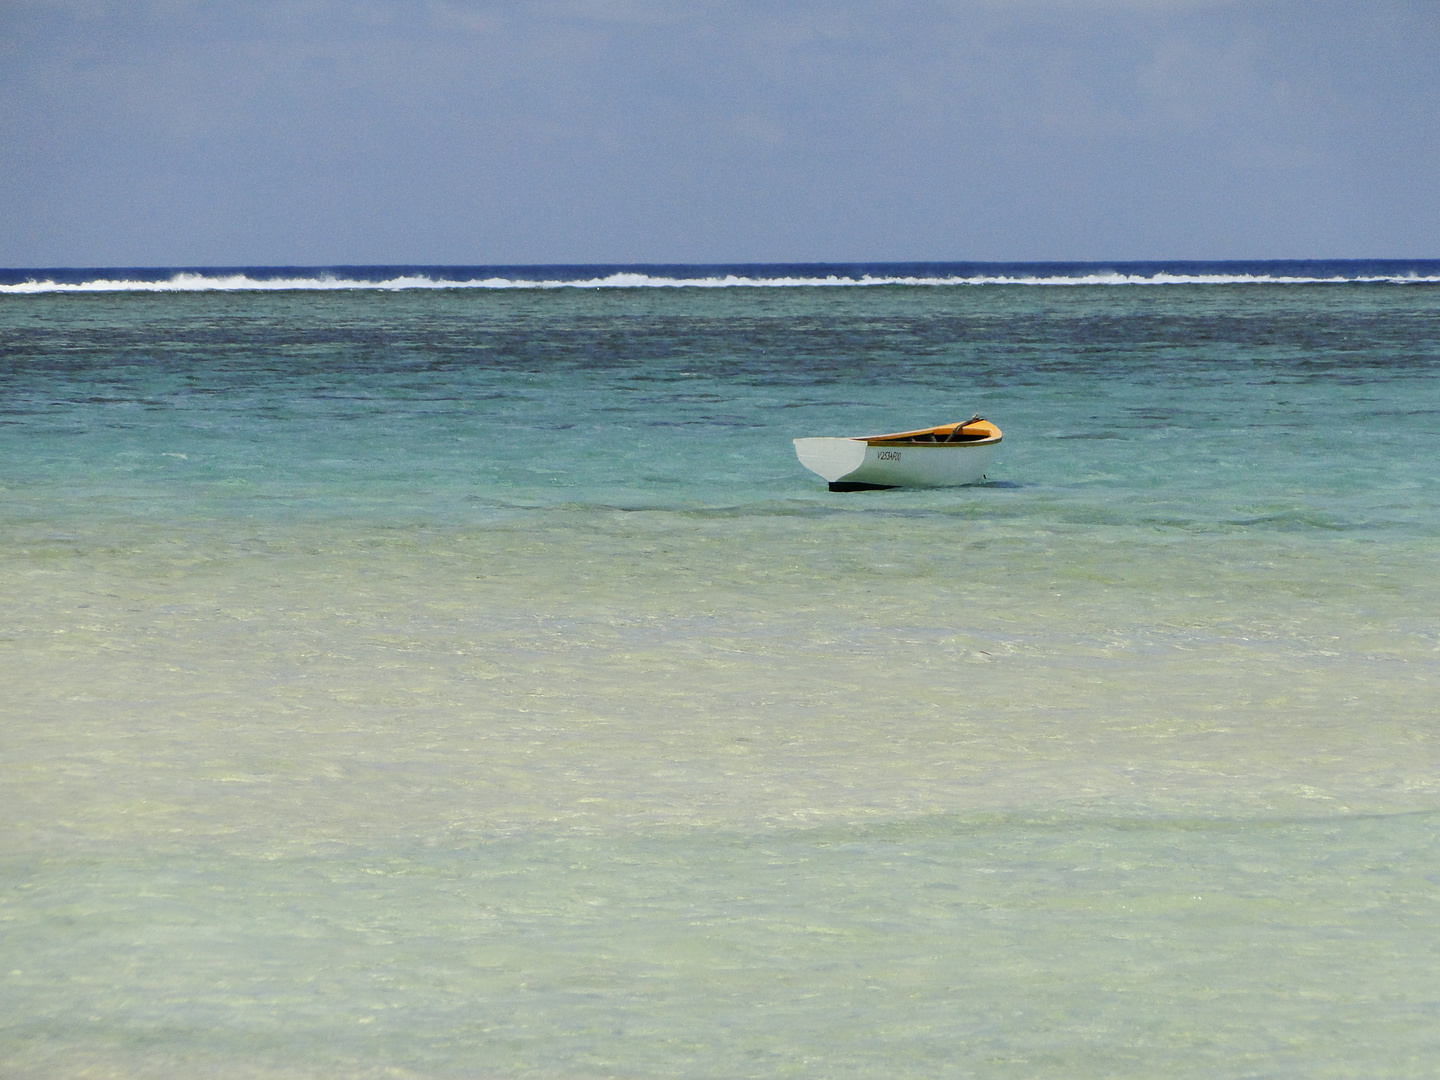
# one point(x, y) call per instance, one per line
point(975, 432)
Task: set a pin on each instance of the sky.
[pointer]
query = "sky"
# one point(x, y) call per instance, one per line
point(470, 132)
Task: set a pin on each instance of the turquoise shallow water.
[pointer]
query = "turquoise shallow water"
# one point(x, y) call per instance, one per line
point(471, 683)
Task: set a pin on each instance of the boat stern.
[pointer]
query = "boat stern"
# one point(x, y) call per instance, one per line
point(831, 458)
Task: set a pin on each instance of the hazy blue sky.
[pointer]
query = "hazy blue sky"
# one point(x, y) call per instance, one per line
point(164, 132)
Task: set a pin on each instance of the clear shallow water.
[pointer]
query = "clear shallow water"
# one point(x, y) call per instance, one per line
point(470, 682)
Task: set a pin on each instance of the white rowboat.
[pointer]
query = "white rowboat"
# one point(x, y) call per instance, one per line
point(946, 456)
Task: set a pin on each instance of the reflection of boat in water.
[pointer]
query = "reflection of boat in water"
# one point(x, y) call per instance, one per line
point(944, 456)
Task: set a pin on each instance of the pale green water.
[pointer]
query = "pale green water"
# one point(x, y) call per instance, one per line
point(474, 685)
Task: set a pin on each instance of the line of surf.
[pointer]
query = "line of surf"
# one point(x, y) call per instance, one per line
point(195, 282)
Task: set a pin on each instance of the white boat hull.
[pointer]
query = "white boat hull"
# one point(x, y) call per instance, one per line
point(853, 463)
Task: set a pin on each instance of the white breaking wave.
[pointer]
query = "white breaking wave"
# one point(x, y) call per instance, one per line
point(194, 282)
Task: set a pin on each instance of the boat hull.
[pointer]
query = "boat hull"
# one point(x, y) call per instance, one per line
point(856, 465)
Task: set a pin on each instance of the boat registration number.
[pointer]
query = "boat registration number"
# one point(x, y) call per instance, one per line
point(888, 455)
